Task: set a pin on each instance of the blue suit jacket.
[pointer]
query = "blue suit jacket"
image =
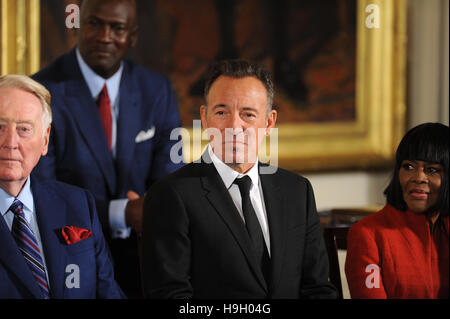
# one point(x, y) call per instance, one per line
point(58, 205)
point(78, 151)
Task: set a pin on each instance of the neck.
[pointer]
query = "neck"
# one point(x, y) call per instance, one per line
point(13, 188)
point(433, 217)
point(241, 168)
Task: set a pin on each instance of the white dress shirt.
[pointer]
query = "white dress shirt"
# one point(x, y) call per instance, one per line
point(26, 197)
point(228, 176)
point(95, 84)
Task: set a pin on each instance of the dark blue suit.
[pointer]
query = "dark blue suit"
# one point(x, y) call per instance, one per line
point(58, 205)
point(78, 150)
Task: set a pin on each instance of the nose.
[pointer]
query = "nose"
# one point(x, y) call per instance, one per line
point(10, 139)
point(104, 34)
point(420, 176)
point(236, 123)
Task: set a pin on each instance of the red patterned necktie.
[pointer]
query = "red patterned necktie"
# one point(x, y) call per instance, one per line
point(28, 246)
point(104, 109)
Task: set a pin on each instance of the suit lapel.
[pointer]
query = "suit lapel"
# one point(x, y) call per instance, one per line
point(127, 126)
point(275, 206)
point(12, 258)
point(219, 198)
point(50, 221)
point(80, 103)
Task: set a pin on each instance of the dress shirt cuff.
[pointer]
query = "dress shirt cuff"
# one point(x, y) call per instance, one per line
point(117, 222)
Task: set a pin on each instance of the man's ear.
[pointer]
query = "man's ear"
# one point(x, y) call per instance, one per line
point(203, 111)
point(133, 37)
point(271, 120)
point(46, 141)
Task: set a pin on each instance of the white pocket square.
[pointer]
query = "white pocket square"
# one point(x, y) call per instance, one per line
point(145, 135)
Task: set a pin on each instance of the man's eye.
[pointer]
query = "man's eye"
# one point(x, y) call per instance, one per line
point(92, 23)
point(24, 130)
point(119, 28)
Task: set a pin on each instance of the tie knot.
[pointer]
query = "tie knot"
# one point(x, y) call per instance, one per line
point(16, 207)
point(244, 184)
point(104, 96)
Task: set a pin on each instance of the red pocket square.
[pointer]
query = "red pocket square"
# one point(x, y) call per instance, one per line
point(74, 234)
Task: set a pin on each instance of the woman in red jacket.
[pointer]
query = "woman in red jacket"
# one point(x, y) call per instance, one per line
point(402, 250)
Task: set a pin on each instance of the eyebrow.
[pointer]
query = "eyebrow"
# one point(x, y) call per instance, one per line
point(219, 106)
point(6, 120)
point(245, 108)
point(107, 20)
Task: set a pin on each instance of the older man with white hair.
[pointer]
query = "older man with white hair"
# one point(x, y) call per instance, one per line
point(52, 245)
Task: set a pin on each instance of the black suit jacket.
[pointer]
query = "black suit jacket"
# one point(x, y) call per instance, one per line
point(195, 244)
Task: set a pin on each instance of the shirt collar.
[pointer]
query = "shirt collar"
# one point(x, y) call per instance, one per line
point(95, 82)
point(228, 174)
point(25, 196)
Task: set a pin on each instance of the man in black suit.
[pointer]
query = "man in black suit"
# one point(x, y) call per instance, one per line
point(228, 226)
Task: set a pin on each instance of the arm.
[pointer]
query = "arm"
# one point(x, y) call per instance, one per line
point(107, 287)
point(162, 163)
point(166, 245)
point(315, 270)
point(362, 265)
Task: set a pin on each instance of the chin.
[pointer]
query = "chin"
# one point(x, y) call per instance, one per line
point(9, 177)
point(418, 209)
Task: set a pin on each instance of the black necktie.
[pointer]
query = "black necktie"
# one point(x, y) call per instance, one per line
point(252, 224)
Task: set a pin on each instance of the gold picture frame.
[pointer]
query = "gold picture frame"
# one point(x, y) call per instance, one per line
point(20, 38)
point(370, 141)
point(366, 143)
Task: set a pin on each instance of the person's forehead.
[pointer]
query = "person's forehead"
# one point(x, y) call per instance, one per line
point(17, 97)
point(227, 84)
point(114, 11)
point(421, 162)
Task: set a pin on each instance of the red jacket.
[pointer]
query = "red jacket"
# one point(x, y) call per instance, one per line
point(398, 246)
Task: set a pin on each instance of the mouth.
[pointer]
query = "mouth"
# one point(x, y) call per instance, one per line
point(101, 52)
point(9, 161)
point(418, 194)
point(235, 143)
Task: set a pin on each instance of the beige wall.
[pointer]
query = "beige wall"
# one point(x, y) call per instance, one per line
point(428, 101)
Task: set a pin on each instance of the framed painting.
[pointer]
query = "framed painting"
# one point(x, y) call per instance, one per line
point(340, 85)
point(338, 66)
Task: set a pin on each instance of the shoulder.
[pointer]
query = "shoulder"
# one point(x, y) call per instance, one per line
point(185, 176)
point(284, 178)
point(66, 192)
point(143, 75)
point(378, 222)
point(54, 71)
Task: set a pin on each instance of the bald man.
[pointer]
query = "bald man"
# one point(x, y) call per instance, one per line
point(112, 122)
